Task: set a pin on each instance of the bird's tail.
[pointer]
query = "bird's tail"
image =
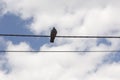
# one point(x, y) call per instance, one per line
point(52, 39)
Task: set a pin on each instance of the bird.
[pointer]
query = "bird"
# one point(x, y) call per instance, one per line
point(53, 35)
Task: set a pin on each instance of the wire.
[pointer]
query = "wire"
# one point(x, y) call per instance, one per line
point(61, 51)
point(25, 35)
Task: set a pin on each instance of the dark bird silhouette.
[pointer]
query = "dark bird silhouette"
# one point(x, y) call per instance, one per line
point(53, 35)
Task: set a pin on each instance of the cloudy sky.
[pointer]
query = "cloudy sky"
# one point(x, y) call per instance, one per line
point(70, 17)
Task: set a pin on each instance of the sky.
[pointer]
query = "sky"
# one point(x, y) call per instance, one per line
point(69, 17)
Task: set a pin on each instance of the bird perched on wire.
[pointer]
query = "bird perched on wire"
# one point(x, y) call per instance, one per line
point(53, 35)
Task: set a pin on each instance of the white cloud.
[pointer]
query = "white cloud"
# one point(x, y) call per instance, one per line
point(45, 65)
point(66, 14)
point(73, 17)
point(107, 72)
point(56, 66)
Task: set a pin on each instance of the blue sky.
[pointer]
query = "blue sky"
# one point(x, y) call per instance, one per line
point(12, 24)
point(73, 17)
